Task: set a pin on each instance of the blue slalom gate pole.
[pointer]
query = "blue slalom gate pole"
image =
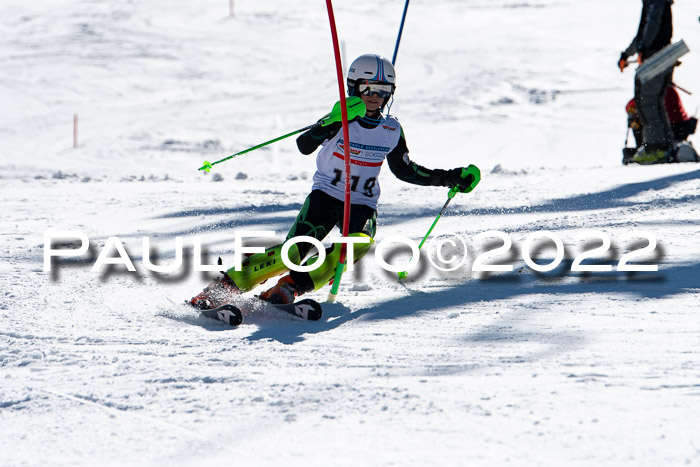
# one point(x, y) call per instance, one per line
point(398, 39)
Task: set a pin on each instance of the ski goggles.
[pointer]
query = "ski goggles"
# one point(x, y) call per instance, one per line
point(367, 88)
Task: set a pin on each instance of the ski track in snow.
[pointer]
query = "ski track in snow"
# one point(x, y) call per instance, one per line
point(520, 367)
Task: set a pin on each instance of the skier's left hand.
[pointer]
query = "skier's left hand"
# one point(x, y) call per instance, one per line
point(464, 179)
point(622, 62)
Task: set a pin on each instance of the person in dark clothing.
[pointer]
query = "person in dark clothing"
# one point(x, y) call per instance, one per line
point(654, 33)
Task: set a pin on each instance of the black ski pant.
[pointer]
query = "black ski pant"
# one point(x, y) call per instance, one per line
point(317, 217)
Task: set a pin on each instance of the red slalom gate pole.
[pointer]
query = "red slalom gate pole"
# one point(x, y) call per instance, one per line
point(346, 146)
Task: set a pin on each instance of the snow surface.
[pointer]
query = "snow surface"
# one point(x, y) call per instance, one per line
point(517, 368)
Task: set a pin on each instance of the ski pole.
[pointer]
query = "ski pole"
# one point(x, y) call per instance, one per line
point(473, 170)
point(451, 194)
point(681, 89)
point(354, 104)
point(208, 165)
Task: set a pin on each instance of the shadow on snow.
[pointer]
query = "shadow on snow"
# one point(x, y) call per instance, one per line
point(667, 282)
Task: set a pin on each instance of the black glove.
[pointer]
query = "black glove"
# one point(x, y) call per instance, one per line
point(622, 62)
point(310, 140)
point(453, 178)
point(461, 179)
point(325, 131)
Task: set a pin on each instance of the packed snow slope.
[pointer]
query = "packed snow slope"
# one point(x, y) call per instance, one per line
point(520, 367)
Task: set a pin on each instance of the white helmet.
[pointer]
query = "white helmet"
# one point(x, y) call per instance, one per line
point(371, 68)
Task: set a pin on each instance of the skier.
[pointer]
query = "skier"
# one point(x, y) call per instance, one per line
point(374, 137)
point(654, 33)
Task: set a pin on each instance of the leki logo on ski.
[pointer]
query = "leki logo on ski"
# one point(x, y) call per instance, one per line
point(265, 265)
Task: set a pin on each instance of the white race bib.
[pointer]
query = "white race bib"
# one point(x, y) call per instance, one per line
point(368, 149)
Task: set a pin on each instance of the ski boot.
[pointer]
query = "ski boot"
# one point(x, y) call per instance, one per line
point(628, 155)
point(284, 292)
point(218, 293)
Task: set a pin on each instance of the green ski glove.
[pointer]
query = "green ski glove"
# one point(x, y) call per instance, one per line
point(356, 108)
point(463, 180)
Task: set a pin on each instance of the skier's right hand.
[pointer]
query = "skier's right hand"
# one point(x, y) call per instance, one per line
point(356, 109)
